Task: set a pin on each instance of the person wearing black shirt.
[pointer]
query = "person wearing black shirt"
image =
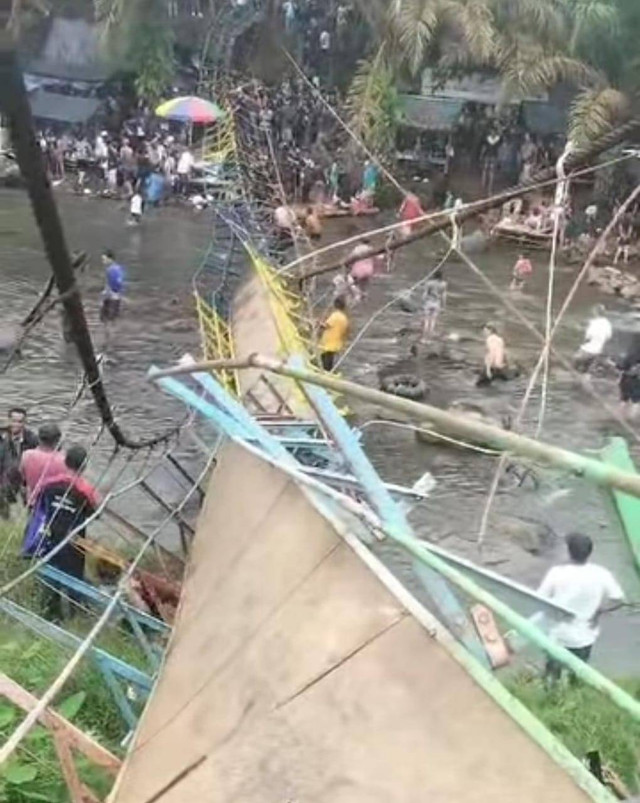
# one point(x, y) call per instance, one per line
point(15, 440)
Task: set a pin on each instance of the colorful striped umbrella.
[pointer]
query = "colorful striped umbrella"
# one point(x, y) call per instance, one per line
point(190, 109)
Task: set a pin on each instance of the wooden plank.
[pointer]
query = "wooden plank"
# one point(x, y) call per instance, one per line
point(51, 719)
point(68, 767)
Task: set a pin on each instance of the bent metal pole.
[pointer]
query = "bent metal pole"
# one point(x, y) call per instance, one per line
point(450, 423)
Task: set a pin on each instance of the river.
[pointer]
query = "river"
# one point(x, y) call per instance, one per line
point(452, 515)
point(158, 326)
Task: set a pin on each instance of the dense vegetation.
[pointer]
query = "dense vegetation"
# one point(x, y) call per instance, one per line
point(33, 774)
point(530, 44)
point(585, 721)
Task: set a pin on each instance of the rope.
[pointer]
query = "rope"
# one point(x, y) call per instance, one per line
point(544, 357)
point(50, 694)
point(433, 433)
point(7, 587)
point(386, 306)
point(559, 203)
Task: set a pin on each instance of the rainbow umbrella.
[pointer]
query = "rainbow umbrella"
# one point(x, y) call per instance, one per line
point(190, 109)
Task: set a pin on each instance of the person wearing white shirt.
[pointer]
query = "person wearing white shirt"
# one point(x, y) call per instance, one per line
point(135, 208)
point(599, 333)
point(185, 166)
point(586, 589)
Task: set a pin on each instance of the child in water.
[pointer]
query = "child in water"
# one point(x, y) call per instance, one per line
point(135, 208)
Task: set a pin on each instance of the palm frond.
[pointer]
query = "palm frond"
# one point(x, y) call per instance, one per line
point(472, 25)
point(527, 69)
point(601, 13)
point(595, 112)
point(413, 23)
point(372, 104)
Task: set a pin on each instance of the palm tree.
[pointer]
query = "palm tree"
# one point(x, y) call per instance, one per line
point(140, 35)
point(531, 44)
point(21, 11)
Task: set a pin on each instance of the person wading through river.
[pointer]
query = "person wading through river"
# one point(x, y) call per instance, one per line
point(585, 589)
point(410, 210)
point(495, 358)
point(16, 440)
point(599, 333)
point(522, 270)
point(112, 293)
point(363, 269)
point(434, 299)
point(334, 334)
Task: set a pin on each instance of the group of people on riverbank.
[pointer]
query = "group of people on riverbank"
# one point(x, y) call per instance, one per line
point(36, 473)
point(136, 163)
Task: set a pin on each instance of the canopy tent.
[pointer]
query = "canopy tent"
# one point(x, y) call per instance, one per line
point(69, 109)
point(429, 114)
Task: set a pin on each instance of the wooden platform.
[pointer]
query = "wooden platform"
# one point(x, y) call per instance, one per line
point(296, 676)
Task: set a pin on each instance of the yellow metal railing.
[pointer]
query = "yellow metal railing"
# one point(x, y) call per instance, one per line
point(219, 141)
point(216, 341)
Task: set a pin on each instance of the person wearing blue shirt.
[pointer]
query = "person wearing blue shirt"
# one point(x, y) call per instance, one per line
point(114, 286)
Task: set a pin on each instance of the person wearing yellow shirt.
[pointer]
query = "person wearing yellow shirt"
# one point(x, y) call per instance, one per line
point(334, 334)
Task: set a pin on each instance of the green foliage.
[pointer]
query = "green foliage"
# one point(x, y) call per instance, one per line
point(585, 720)
point(34, 773)
point(139, 35)
point(531, 44)
point(373, 105)
point(595, 112)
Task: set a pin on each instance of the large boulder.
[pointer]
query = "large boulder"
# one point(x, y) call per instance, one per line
point(531, 535)
point(474, 243)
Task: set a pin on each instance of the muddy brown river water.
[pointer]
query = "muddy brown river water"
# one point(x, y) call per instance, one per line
point(573, 420)
point(161, 257)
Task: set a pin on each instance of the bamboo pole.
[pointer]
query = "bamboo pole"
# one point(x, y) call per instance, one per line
point(450, 423)
point(424, 555)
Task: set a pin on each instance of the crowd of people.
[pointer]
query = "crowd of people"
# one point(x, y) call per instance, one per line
point(143, 159)
point(40, 476)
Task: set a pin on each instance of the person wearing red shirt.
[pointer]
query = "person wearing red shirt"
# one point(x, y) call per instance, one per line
point(409, 211)
point(521, 272)
point(38, 465)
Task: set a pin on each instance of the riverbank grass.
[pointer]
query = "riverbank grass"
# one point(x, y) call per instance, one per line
point(585, 721)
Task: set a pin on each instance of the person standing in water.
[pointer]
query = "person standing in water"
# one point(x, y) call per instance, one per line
point(362, 269)
point(410, 210)
point(522, 270)
point(334, 334)
point(114, 287)
point(588, 591)
point(434, 298)
point(599, 333)
point(495, 358)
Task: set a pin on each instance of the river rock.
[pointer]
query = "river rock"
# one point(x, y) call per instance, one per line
point(531, 535)
point(474, 243)
point(9, 172)
point(8, 338)
point(614, 281)
point(179, 326)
